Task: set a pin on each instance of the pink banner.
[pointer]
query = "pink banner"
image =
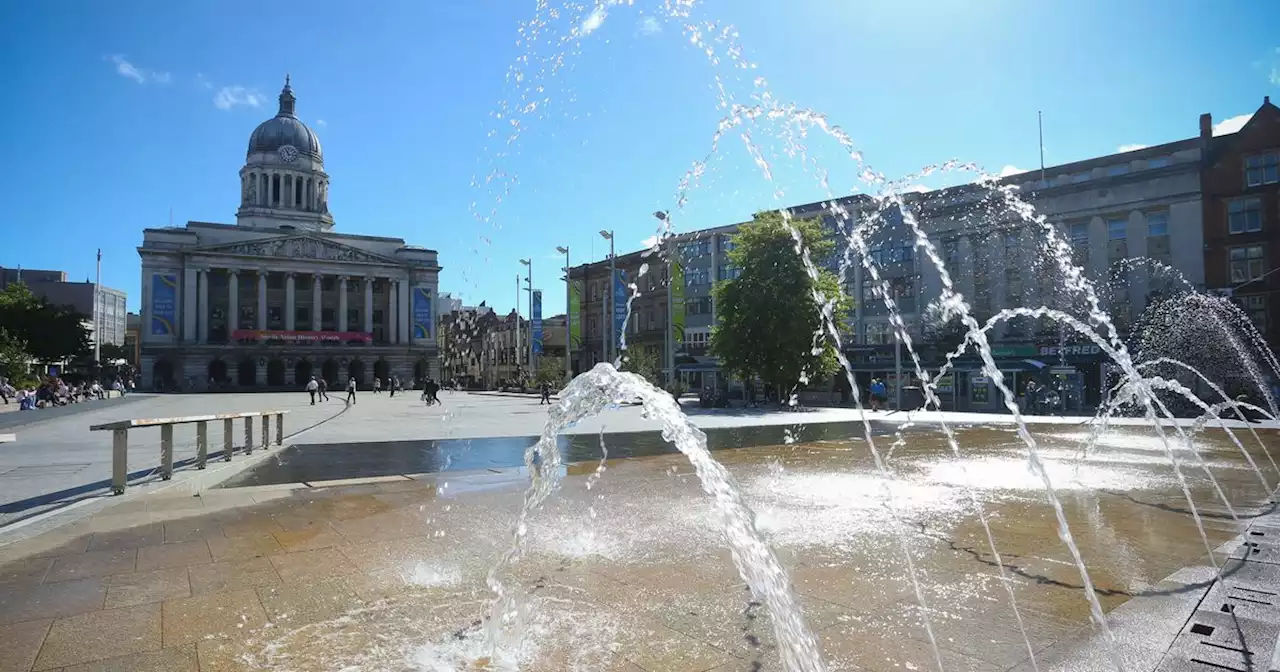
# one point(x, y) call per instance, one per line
point(302, 336)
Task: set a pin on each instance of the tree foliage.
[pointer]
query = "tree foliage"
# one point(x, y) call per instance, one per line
point(768, 315)
point(14, 355)
point(52, 333)
point(644, 362)
point(112, 352)
point(550, 371)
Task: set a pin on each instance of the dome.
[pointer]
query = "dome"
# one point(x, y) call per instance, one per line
point(285, 129)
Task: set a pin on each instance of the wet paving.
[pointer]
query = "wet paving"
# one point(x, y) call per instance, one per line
point(632, 572)
point(305, 463)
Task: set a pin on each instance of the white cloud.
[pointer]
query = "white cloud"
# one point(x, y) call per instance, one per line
point(200, 79)
point(1131, 147)
point(232, 96)
point(140, 75)
point(593, 21)
point(1011, 170)
point(649, 242)
point(1231, 125)
point(915, 188)
point(321, 123)
point(649, 25)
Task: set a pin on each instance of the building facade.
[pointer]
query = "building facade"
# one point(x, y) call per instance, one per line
point(106, 316)
point(279, 296)
point(1139, 224)
point(1242, 216)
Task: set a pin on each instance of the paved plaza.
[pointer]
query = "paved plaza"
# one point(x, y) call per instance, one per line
point(626, 568)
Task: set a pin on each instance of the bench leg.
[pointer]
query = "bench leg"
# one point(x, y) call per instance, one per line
point(119, 460)
point(228, 442)
point(280, 429)
point(248, 436)
point(266, 432)
point(202, 444)
point(166, 452)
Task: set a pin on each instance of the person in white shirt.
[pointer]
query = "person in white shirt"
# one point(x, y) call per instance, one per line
point(312, 387)
point(351, 390)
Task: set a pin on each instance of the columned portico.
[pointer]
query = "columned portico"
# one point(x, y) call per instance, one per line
point(204, 327)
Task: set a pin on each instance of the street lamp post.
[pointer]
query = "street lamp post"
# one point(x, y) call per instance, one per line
point(528, 264)
point(612, 343)
point(568, 315)
point(515, 351)
point(669, 337)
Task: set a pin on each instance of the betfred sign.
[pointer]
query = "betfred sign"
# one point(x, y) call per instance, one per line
point(1085, 350)
point(301, 336)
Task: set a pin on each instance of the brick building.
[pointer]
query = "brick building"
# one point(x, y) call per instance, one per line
point(1240, 182)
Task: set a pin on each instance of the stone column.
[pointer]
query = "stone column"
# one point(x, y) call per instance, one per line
point(289, 306)
point(203, 303)
point(317, 300)
point(406, 312)
point(393, 334)
point(368, 304)
point(342, 303)
point(262, 300)
point(188, 308)
point(233, 301)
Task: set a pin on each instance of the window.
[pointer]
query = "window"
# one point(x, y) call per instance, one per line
point(698, 306)
point(879, 333)
point(727, 244)
point(1244, 215)
point(905, 286)
point(729, 272)
point(1263, 169)
point(1158, 162)
point(697, 339)
point(1119, 169)
point(697, 276)
point(893, 255)
point(1117, 228)
point(699, 248)
point(1157, 223)
point(1082, 177)
point(1256, 308)
point(1080, 233)
point(869, 295)
point(1246, 263)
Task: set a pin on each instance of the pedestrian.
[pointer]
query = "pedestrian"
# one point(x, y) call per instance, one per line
point(312, 388)
point(377, 386)
point(1033, 397)
point(546, 394)
point(324, 388)
point(351, 390)
point(392, 384)
point(878, 394)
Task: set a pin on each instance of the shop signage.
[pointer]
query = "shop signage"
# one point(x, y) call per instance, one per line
point(1085, 350)
point(302, 336)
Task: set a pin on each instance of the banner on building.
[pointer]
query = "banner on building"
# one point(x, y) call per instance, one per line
point(164, 304)
point(535, 322)
point(620, 307)
point(422, 315)
point(302, 336)
point(677, 301)
point(574, 314)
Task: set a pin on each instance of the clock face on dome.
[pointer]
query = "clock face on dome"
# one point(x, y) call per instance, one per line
point(288, 153)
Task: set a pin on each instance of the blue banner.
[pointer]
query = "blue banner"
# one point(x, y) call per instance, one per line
point(535, 321)
point(164, 304)
point(620, 297)
point(422, 315)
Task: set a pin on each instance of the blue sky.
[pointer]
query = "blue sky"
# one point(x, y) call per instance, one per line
point(118, 113)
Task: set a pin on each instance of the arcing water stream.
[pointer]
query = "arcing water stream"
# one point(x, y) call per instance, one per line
point(604, 386)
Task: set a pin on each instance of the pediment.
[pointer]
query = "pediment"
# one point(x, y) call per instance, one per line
point(298, 247)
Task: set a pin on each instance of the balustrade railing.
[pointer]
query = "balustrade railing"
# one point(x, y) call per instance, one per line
point(120, 439)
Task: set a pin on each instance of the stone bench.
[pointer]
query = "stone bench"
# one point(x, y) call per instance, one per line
point(120, 439)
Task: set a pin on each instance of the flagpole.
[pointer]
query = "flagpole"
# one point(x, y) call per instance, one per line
point(1040, 123)
point(97, 313)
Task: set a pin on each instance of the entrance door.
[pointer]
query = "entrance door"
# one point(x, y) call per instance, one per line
point(248, 376)
point(275, 373)
point(302, 372)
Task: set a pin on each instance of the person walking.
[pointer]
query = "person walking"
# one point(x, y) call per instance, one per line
point(392, 384)
point(312, 387)
point(351, 390)
point(878, 394)
point(546, 394)
point(324, 389)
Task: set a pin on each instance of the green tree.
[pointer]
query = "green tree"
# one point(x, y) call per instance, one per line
point(550, 371)
point(52, 333)
point(768, 315)
point(644, 362)
point(14, 355)
point(112, 352)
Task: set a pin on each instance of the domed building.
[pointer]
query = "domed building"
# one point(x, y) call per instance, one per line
point(279, 296)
